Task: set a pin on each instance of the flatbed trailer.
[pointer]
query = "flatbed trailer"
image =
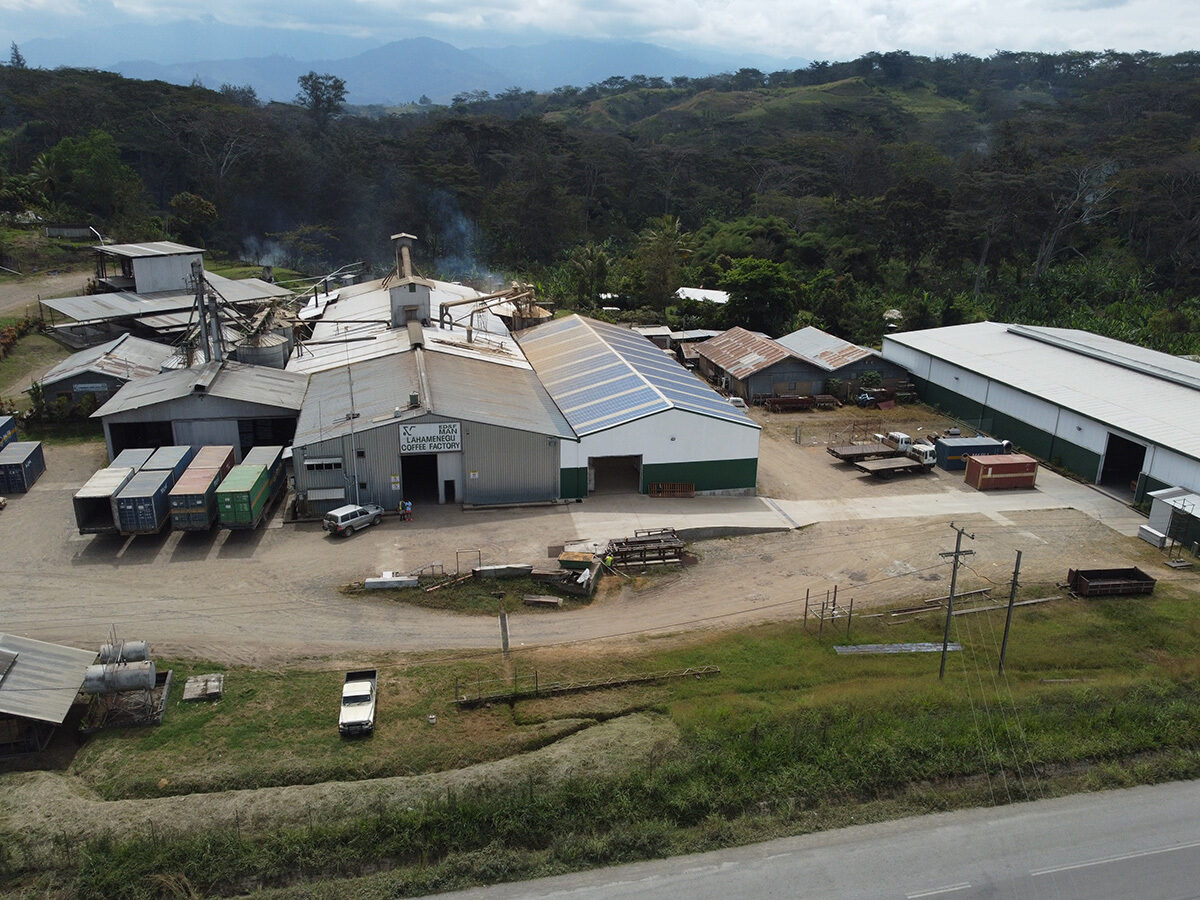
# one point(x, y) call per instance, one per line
point(853, 453)
point(885, 468)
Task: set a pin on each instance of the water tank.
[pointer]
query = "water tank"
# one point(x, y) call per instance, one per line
point(126, 651)
point(137, 676)
point(268, 349)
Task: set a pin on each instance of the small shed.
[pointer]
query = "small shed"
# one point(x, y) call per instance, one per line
point(38, 685)
point(754, 366)
point(103, 370)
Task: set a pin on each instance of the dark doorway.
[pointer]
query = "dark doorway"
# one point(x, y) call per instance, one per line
point(615, 474)
point(265, 433)
point(448, 490)
point(419, 477)
point(129, 435)
point(1123, 461)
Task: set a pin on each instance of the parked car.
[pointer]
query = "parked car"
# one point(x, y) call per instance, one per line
point(347, 519)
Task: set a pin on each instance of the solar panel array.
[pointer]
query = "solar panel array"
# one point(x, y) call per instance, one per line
point(601, 375)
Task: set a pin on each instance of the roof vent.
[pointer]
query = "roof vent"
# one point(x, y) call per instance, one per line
point(416, 334)
point(414, 400)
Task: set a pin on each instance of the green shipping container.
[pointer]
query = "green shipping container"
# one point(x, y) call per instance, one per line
point(242, 497)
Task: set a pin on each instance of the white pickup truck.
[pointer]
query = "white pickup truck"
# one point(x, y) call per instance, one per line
point(358, 703)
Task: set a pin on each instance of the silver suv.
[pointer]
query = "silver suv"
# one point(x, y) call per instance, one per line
point(345, 519)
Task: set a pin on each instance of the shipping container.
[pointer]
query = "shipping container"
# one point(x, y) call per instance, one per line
point(93, 501)
point(21, 464)
point(952, 452)
point(243, 496)
point(134, 458)
point(193, 499)
point(1009, 470)
point(142, 506)
point(170, 459)
point(213, 457)
point(8, 431)
point(272, 458)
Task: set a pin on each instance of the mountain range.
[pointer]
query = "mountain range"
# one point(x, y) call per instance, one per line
point(402, 71)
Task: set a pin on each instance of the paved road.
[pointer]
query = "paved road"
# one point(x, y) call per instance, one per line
point(1140, 843)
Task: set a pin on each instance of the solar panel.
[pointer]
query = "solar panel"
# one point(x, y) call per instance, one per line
point(601, 375)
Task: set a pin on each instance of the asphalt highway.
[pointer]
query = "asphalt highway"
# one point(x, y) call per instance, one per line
point(1137, 844)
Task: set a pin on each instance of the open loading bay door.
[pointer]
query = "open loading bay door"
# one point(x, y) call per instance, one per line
point(614, 474)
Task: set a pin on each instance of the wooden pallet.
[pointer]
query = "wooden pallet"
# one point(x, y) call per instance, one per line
point(672, 489)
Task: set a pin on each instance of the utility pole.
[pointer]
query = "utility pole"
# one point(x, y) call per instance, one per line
point(958, 552)
point(1012, 597)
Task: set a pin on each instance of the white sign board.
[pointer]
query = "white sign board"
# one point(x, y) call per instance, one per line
point(438, 437)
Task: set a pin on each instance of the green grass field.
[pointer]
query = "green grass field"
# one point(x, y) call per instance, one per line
point(790, 737)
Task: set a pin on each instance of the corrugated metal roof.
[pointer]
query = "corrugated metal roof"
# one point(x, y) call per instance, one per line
point(126, 357)
point(702, 294)
point(128, 305)
point(43, 680)
point(741, 353)
point(1116, 383)
point(824, 350)
point(358, 327)
point(150, 248)
point(602, 376)
point(230, 380)
point(458, 386)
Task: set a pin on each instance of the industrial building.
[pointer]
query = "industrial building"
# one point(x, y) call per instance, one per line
point(641, 417)
point(149, 289)
point(213, 403)
point(1112, 412)
point(38, 685)
point(831, 357)
point(753, 366)
point(106, 368)
point(418, 391)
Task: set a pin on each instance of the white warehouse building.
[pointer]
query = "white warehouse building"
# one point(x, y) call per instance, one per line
point(1113, 413)
point(641, 418)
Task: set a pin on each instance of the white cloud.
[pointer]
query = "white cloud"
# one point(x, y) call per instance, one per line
point(817, 29)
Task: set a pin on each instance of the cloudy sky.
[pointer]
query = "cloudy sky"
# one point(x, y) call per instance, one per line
point(812, 29)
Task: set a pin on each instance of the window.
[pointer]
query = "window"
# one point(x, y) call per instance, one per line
point(322, 464)
point(361, 454)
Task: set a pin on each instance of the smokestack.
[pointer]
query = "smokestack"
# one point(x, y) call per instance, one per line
point(402, 244)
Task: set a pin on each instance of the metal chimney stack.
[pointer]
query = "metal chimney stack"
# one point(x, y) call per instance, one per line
point(402, 244)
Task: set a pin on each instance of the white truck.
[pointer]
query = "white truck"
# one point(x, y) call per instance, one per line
point(358, 703)
point(918, 457)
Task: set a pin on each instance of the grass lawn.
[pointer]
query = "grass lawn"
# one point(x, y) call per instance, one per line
point(790, 737)
point(32, 353)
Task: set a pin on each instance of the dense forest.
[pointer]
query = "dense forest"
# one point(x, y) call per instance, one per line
point(1059, 189)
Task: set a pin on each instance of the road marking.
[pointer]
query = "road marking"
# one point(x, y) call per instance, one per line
point(949, 889)
point(1111, 859)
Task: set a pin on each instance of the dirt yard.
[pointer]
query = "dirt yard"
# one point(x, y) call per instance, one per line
point(272, 596)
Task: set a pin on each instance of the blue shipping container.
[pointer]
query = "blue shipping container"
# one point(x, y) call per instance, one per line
point(143, 506)
point(952, 453)
point(134, 458)
point(8, 431)
point(21, 464)
point(175, 459)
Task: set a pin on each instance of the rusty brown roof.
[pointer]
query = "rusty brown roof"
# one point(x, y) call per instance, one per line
point(741, 353)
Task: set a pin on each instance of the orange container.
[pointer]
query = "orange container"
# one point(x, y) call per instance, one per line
point(1009, 470)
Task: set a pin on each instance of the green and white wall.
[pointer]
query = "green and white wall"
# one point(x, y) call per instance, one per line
point(716, 455)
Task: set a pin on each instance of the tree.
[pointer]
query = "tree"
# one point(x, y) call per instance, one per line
point(662, 247)
point(86, 175)
point(240, 94)
point(763, 295)
point(15, 59)
point(322, 95)
point(589, 268)
point(192, 214)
